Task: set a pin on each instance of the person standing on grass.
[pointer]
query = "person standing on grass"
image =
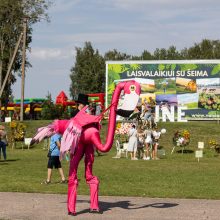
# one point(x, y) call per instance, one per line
point(148, 142)
point(54, 159)
point(156, 136)
point(132, 143)
point(140, 147)
point(3, 141)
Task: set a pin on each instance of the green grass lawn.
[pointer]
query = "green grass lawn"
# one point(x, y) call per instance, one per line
point(177, 175)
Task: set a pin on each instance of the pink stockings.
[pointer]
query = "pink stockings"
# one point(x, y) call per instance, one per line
point(91, 180)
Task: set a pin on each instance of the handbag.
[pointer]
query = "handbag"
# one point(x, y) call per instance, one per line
point(50, 151)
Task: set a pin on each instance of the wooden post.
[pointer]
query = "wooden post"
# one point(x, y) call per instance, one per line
point(23, 69)
point(0, 87)
point(10, 65)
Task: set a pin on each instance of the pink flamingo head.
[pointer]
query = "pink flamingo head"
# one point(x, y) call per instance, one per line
point(132, 90)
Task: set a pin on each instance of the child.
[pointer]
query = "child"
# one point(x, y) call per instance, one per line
point(54, 159)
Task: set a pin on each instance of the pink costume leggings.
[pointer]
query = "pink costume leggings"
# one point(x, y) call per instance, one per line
point(91, 180)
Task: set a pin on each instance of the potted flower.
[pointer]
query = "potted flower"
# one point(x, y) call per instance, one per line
point(214, 145)
point(181, 138)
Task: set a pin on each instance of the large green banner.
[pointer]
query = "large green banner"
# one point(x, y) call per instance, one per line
point(194, 84)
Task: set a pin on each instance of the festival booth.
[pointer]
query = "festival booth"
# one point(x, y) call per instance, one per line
point(62, 99)
point(96, 98)
point(32, 106)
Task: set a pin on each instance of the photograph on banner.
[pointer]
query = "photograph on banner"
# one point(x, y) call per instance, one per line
point(209, 93)
point(147, 85)
point(165, 86)
point(168, 100)
point(190, 100)
point(210, 85)
point(146, 97)
point(184, 85)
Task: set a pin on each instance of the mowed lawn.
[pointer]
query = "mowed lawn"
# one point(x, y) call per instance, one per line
point(177, 175)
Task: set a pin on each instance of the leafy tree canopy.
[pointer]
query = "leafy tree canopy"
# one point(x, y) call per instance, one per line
point(12, 15)
point(88, 73)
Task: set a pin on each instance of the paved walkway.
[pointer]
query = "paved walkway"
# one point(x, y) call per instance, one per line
point(28, 206)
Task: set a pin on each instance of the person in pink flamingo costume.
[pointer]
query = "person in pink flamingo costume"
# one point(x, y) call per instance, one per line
point(81, 133)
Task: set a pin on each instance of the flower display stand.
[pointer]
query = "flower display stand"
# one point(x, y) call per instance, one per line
point(181, 139)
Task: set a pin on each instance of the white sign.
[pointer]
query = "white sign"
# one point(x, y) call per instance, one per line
point(199, 153)
point(7, 119)
point(201, 145)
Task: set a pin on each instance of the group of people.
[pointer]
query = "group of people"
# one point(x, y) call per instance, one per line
point(148, 112)
point(141, 138)
point(144, 134)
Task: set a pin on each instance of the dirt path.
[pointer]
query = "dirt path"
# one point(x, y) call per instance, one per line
point(27, 206)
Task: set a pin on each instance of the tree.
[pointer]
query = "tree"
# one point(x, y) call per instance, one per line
point(146, 55)
point(173, 54)
point(216, 49)
point(160, 54)
point(115, 55)
point(207, 49)
point(88, 73)
point(12, 14)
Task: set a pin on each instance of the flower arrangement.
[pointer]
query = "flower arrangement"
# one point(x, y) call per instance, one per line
point(181, 138)
point(214, 145)
point(121, 131)
point(186, 134)
point(122, 128)
point(17, 131)
point(13, 124)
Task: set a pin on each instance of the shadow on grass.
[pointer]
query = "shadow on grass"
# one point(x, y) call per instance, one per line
point(11, 160)
point(100, 154)
point(7, 162)
point(185, 151)
point(106, 206)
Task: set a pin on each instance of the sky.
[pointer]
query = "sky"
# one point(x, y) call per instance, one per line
point(125, 25)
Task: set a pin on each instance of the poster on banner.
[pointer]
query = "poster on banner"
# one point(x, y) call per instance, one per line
point(191, 84)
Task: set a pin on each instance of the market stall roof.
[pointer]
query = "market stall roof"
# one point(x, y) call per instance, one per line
point(61, 98)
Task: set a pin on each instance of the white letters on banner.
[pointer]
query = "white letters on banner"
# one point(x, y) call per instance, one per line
point(170, 114)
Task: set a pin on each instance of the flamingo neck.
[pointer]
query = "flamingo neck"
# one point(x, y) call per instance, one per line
point(112, 117)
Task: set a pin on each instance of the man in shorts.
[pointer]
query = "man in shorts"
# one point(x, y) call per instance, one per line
point(54, 159)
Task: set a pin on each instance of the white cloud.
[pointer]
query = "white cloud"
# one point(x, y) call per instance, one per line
point(63, 5)
point(51, 53)
point(159, 4)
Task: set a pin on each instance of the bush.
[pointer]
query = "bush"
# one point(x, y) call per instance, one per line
point(51, 111)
